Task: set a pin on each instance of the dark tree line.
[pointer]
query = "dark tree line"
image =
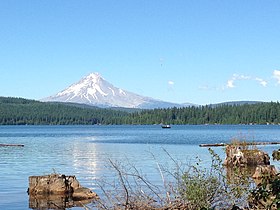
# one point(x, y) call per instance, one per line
point(18, 111)
point(260, 113)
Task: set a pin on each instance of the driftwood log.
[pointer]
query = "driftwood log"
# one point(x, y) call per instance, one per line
point(11, 145)
point(248, 143)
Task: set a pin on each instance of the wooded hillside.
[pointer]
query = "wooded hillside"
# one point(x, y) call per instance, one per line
point(18, 111)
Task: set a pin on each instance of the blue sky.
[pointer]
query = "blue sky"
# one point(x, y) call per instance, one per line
point(175, 50)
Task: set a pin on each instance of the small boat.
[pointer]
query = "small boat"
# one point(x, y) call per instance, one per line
point(165, 126)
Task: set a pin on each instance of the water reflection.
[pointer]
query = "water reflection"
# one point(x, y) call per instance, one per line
point(85, 158)
point(55, 202)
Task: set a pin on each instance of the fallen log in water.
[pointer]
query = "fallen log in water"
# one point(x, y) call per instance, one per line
point(247, 143)
point(213, 145)
point(11, 145)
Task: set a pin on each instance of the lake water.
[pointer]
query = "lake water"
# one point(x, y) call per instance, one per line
point(84, 151)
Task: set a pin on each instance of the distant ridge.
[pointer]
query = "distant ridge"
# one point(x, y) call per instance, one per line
point(96, 91)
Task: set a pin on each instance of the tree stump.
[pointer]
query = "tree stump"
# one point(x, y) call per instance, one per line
point(57, 190)
point(235, 156)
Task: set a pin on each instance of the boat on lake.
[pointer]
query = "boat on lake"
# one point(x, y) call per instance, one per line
point(165, 126)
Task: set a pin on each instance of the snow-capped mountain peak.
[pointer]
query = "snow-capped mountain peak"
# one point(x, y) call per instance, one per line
point(87, 86)
point(94, 77)
point(95, 90)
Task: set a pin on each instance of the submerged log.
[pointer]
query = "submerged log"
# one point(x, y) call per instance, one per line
point(58, 190)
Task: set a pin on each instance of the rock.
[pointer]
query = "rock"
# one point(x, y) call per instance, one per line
point(57, 191)
point(83, 193)
point(276, 154)
point(274, 206)
point(235, 156)
point(264, 172)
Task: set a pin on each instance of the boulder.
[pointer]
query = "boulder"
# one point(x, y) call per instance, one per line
point(83, 193)
point(276, 154)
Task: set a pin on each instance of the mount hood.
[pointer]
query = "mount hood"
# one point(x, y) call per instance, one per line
point(96, 91)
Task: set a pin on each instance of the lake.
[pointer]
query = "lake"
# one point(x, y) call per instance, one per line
point(84, 151)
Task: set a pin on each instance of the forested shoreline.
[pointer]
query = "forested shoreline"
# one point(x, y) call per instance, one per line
point(19, 111)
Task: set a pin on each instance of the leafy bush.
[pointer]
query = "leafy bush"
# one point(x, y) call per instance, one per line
point(201, 187)
point(189, 189)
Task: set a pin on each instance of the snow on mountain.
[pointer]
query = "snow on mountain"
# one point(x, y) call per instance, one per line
point(94, 90)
